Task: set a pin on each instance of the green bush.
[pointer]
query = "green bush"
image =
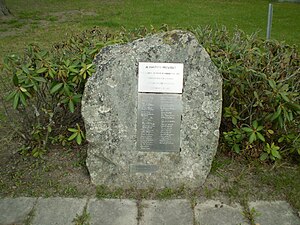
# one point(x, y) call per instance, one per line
point(261, 110)
point(47, 87)
point(47, 91)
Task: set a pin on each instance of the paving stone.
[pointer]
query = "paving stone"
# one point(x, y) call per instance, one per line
point(15, 210)
point(216, 213)
point(112, 212)
point(57, 211)
point(274, 213)
point(171, 212)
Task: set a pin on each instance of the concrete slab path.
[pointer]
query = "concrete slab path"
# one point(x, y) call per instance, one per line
point(84, 211)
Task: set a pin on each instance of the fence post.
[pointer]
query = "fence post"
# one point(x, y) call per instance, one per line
point(270, 15)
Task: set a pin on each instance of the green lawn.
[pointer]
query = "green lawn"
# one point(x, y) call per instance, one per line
point(49, 21)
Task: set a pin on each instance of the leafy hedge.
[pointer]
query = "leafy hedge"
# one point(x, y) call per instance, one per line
point(261, 90)
point(47, 87)
point(261, 111)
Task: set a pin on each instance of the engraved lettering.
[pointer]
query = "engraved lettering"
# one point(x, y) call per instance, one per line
point(159, 118)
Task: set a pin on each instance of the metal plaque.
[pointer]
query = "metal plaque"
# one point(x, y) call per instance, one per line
point(143, 168)
point(160, 77)
point(158, 125)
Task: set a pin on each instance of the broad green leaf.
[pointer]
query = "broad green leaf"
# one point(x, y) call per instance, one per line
point(231, 93)
point(280, 139)
point(247, 129)
point(49, 128)
point(56, 88)
point(52, 73)
point(77, 98)
point(28, 86)
point(284, 97)
point(273, 146)
point(23, 100)
point(72, 130)
point(294, 106)
point(78, 139)
point(28, 94)
point(84, 75)
point(25, 69)
point(90, 66)
point(67, 89)
point(280, 121)
point(65, 100)
point(284, 88)
point(82, 134)
point(16, 100)
point(16, 80)
point(83, 57)
point(259, 128)
point(286, 115)
point(236, 148)
point(272, 83)
point(35, 86)
point(252, 137)
point(260, 136)
point(276, 154)
point(270, 131)
point(72, 137)
point(73, 69)
point(11, 95)
point(263, 156)
point(276, 114)
point(41, 70)
point(291, 116)
point(23, 89)
point(255, 124)
point(71, 106)
point(67, 62)
point(19, 72)
point(91, 71)
point(35, 154)
point(234, 121)
point(83, 69)
point(40, 79)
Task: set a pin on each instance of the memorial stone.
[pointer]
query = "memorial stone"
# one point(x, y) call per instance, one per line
point(152, 113)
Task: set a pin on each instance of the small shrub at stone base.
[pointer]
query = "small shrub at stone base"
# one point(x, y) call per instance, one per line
point(261, 110)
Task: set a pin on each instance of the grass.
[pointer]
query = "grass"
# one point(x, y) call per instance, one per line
point(52, 176)
point(60, 19)
point(239, 180)
point(285, 180)
point(82, 219)
point(63, 174)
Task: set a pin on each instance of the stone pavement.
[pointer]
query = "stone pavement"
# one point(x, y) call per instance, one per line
point(83, 211)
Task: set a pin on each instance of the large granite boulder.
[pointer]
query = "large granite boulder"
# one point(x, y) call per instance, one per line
point(109, 109)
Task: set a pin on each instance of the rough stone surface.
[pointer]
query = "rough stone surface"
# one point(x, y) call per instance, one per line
point(15, 210)
point(52, 211)
point(172, 212)
point(109, 109)
point(112, 212)
point(216, 213)
point(278, 212)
